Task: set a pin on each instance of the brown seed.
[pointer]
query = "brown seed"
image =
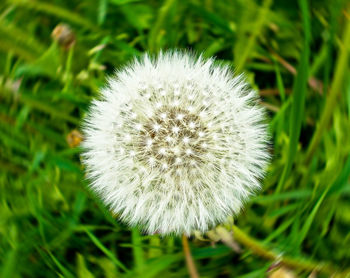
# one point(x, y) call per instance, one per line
point(64, 35)
point(74, 138)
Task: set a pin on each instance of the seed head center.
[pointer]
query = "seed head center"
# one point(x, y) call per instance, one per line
point(172, 139)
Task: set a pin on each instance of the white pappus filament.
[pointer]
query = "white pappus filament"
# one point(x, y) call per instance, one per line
point(175, 144)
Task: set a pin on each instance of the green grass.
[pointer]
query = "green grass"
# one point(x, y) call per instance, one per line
point(51, 225)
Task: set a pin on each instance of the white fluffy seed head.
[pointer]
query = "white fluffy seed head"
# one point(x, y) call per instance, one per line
point(175, 144)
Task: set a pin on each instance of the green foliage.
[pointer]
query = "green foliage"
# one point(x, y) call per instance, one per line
point(294, 53)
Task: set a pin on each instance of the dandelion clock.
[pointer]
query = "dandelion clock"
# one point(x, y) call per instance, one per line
point(176, 143)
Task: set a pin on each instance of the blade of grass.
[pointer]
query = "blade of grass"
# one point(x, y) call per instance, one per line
point(284, 196)
point(280, 85)
point(108, 253)
point(334, 93)
point(259, 25)
point(299, 93)
point(60, 266)
point(82, 270)
point(283, 210)
point(209, 252)
point(281, 126)
point(137, 249)
point(306, 227)
point(68, 75)
point(102, 11)
point(155, 31)
point(154, 242)
point(20, 39)
point(342, 179)
point(348, 96)
point(278, 231)
point(37, 104)
point(154, 267)
point(212, 18)
point(55, 11)
point(5, 45)
point(298, 263)
point(8, 268)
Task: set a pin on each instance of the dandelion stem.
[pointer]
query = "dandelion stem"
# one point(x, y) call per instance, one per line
point(298, 263)
point(189, 259)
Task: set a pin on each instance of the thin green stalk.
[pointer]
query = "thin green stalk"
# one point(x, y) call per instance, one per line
point(299, 94)
point(298, 263)
point(170, 244)
point(281, 117)
point(106, 251)
point(348, 96)
point(19, 50)
point(42, 106)
point(252, 39)
point(55, 11)
point(9, 58)
point(154, 36)
point(20, 38)
point(68, 75)
point(155, 244)
point(137, 249)
point(335, 91)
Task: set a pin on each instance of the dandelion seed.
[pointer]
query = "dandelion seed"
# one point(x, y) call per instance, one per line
point(156, 127)
point(138, 127)
point(162, 151)
point(151, 161)
point(175, 168)
point(176, 150)
point(169, 139)
point(149, 142)
point(176, 103)
point(186, 140)
point(175, 129)
point(178, 160)
point(192, 125)
point(180, 117)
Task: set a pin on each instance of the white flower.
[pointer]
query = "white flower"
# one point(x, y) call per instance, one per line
point(176, 143)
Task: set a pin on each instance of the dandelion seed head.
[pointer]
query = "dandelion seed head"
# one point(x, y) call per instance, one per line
point(188, 143)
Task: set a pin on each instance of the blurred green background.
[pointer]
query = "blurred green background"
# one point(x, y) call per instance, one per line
point(54, 57)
